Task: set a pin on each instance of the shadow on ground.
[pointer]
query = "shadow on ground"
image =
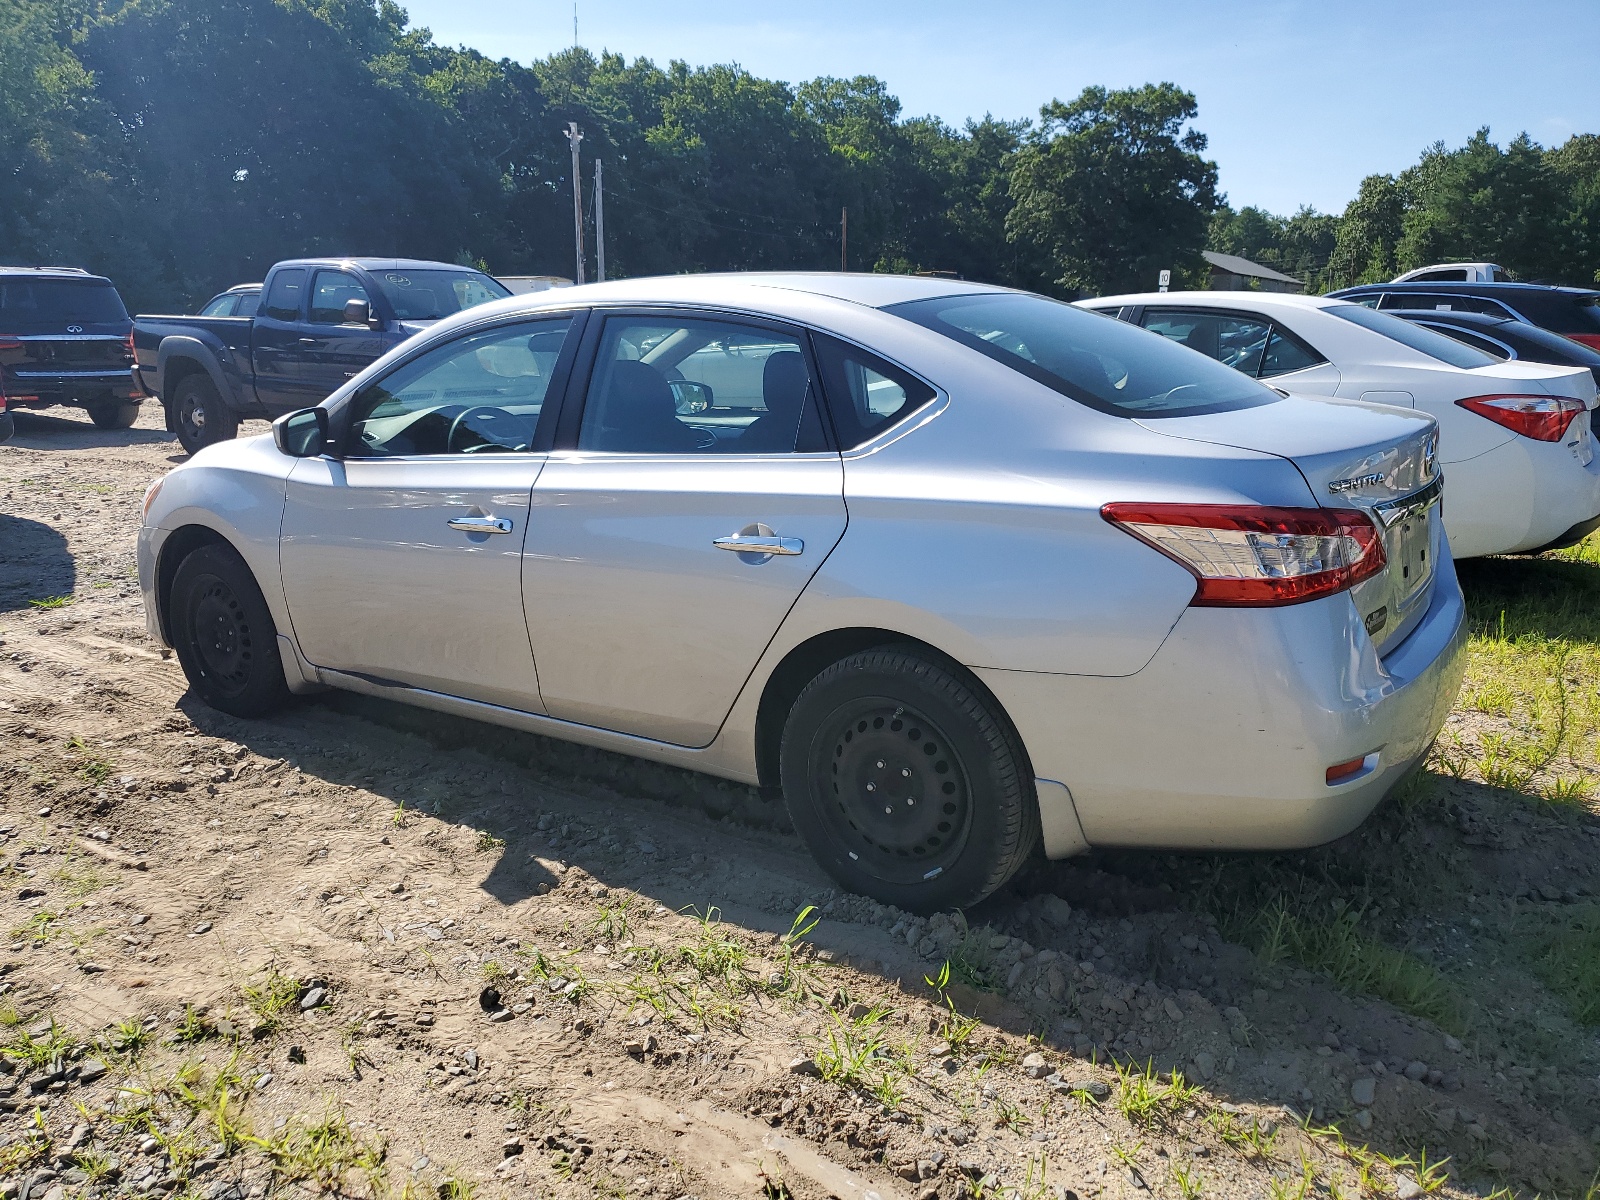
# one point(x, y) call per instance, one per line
point(35, 563)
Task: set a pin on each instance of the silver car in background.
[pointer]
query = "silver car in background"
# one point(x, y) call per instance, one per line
point(962, 570)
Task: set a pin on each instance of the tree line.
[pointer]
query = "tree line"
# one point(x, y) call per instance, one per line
point(180, 146)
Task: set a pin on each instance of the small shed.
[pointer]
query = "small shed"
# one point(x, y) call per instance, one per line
point(1230, 273)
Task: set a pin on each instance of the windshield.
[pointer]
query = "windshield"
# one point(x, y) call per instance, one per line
point(1423, 341)
point(430, 293)
point(1096, 360)
point(58, 302)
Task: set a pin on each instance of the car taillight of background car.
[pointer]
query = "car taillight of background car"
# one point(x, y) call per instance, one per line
point(1543, 418)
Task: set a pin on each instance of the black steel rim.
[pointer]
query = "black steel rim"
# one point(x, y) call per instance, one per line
point(221, 636)
point(894, 792)
point(193, 416)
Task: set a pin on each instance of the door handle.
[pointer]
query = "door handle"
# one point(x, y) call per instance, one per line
point(308, 341)
point(756, 543)
point(480, 524)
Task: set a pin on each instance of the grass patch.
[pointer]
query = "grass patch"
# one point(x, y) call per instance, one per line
point(325, 1153)
point(45, 602)
point(1355, 960)
point(273, 999)
point(95, 768)
point(1567, 961)
point(488, 842)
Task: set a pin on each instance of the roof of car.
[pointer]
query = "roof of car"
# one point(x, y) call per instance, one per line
point(866, 289)
point(242, 287)
point(77, 273)
point(1213, 299)
point(1484, 320)
point(1465, 289)
point(375, 264)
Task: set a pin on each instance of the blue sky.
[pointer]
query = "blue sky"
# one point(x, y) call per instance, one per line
point(1300, 99)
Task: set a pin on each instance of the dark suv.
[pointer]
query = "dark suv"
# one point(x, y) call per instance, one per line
point(65, 339)
point(1571, 312)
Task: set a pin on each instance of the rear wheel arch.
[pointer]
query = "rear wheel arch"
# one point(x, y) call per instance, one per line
point(811, 657)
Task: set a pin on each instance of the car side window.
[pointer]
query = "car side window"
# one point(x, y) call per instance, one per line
point(866, 395)
point(1487, 345)
point(283, 298)
point(481, 393)
point(665, 385)
point(1234, 341)
point(222, 306)
point(1287, 353)
point(248, 303)
point(329, 292)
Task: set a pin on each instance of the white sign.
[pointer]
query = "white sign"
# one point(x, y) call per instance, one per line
point(1164, 279)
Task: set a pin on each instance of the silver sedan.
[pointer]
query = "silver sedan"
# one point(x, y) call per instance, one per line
point(964, 571)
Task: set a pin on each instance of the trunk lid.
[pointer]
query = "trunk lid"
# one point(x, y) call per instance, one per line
point(1373, 457)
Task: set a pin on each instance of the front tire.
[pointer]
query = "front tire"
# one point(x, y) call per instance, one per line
point(113, 415)
point(224, 634)
point(199, 414)
point(906, 782)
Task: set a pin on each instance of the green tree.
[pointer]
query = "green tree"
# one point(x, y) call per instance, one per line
point(1111, 188)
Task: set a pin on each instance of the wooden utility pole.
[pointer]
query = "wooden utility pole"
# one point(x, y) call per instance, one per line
point(599, 226)
point(574, 136)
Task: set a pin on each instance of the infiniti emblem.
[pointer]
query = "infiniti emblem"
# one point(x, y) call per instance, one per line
point(74, 328)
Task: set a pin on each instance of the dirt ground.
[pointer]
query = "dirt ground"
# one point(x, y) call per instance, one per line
point(366, 949)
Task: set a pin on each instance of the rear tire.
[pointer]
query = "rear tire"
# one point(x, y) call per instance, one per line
point(199, 414)
point(224, 634)
point(906, 783)
point(8, 426)
point(113, 415)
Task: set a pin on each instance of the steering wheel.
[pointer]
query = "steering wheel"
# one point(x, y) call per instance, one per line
point(499, 429)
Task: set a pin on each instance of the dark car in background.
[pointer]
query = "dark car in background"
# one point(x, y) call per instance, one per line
point(319, 321)
point(241, 300)
point(1507, 339)
point(1571, 312)
point(64, 340)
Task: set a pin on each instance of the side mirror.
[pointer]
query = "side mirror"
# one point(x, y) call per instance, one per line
point(690, 397)
point(359, 312)
point(303, 434)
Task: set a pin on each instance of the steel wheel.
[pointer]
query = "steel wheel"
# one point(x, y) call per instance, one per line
point(906, 781)
point(901, 799)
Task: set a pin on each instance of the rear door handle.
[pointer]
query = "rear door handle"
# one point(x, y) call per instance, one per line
point(755, 543)
point(480, 524)
point(308, 341)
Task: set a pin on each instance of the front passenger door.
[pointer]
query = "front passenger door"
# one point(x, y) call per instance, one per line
point(402, 559)
point(330, 350)
point(691, 505)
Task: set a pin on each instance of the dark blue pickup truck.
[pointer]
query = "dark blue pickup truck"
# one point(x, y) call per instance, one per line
point(320, 321)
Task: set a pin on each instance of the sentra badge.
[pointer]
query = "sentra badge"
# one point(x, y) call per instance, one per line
point(1360, 481)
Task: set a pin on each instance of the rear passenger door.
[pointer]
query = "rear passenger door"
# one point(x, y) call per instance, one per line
point(275, 342)
point(691, 496)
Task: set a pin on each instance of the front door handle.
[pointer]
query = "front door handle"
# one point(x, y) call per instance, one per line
point(758, 543)
point(308, 341)
point(480, 524)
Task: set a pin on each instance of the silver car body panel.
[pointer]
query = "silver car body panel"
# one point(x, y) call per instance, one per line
point(973, 527)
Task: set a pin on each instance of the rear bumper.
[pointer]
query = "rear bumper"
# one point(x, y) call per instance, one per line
point(1521, 496)
point(1223, 741)
point(73, 388)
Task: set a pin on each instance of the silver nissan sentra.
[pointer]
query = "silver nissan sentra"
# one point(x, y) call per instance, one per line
point(962, 570)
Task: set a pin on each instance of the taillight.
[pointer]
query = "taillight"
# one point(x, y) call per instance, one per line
point(1587, 339)
point(1543, 418)
point(1255, 556)
point(127, 348)
point(7, 342)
